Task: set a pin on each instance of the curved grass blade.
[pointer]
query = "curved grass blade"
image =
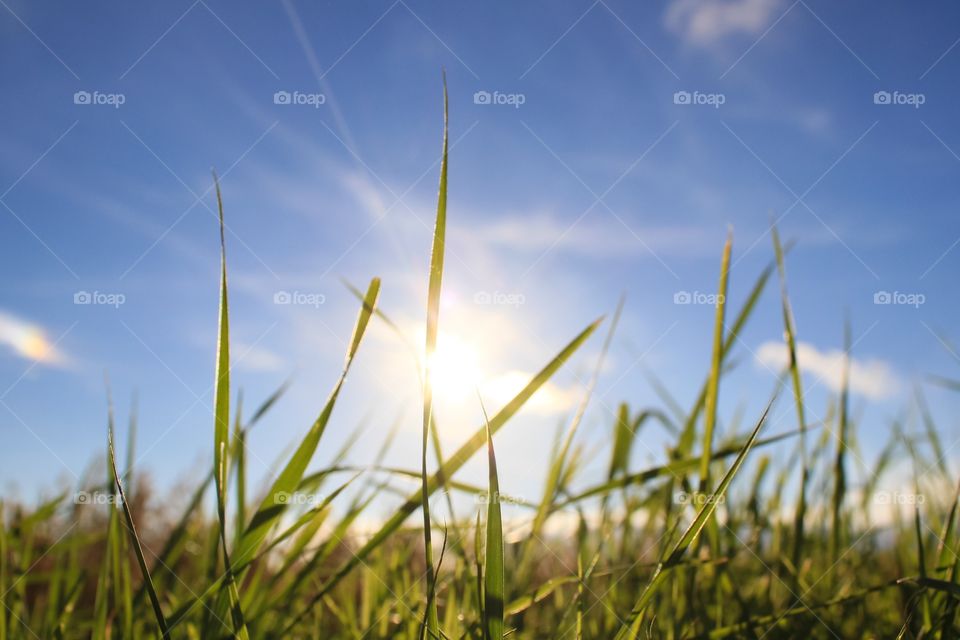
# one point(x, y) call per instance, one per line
point(713, 385)
point(631, 627)
point(432, 624)
point(134, 538)
point(453, 464)
point(221, 428)
point(275, 503)
point(494, 591)
point(561, 457)
point(671, 469)
point(545, 590)
point(789, 330)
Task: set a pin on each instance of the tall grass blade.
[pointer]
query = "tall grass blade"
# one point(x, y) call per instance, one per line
point(789, 331)
point(716, 360)
point(452, 465)
point(221, 430)
point(494, 591)
point(132, 530)
point(631, 627)
point(275, 502)
point(432, 624)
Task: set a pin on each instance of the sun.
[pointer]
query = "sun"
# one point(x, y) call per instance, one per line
point(454, 369)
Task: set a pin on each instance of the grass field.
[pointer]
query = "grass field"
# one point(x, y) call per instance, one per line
point(662, 552)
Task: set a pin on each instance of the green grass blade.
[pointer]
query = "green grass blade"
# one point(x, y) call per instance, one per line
point(713, 385)
point(789, 331)
point(494, 591)
point(134, 538)
point(453, 464)
point(275, 502)
point(688, 433)
point(239, 455)
point(560, 458)
point(839, 468)
point(671, 469)
point(631, 627)
point(221, 429)
point(432, 624)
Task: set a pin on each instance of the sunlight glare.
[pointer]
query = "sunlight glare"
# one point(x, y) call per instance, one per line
point(454, 367)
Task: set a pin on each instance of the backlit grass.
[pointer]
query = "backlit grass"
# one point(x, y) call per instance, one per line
point(662, 552)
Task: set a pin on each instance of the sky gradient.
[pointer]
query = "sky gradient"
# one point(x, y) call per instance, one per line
point(597, 149)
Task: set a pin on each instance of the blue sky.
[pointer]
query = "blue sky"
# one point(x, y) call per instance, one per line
point(596, 148)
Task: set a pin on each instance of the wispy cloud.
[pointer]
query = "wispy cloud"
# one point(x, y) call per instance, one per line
point(705, 23)
point(595, 235)
point(28, 341)
point(872, 378)
point(258, 359)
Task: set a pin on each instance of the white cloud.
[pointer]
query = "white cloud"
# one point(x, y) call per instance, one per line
point(707, 22)
point(28, 341)
point(872, 377)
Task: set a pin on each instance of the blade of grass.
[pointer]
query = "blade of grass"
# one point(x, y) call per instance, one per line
point(494, 591)
point(631, 627)
point(274, 503)
point(713, 384)
point(452, 465)
point(132, 530)
point(221, 430)
point(839, 470)
point(669, 470)
point(790, 336)
point(432, 624)
point(560, 458)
